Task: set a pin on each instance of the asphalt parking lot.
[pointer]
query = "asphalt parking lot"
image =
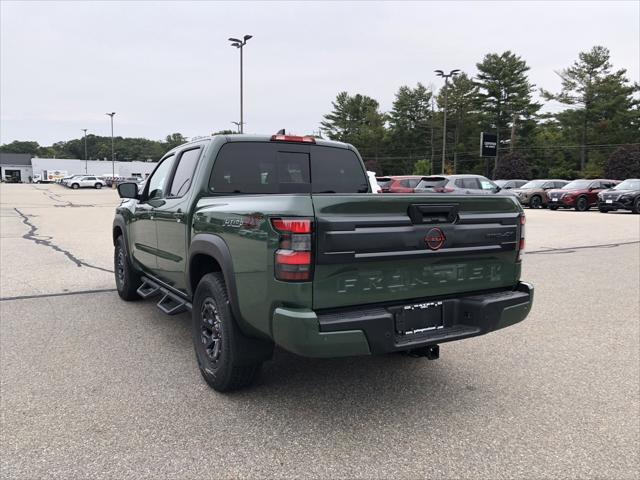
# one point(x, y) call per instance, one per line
point(95, 387)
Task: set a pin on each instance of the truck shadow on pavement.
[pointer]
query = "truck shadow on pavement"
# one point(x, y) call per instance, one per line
point(340, 392)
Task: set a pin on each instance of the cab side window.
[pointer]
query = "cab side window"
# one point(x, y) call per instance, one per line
point(184, 172)
point(158, 179)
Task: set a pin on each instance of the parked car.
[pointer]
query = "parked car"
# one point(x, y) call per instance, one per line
point(321, 276)
point(624, 196)
point(399, 184)
point(375, 187)
point(509, 184)
point(458, 184)
point(87, 181)
point(579, 194)
point(534, 193)
point(64, 180)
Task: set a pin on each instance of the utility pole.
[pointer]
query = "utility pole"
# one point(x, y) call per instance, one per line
point(85, 149)
point(113, 154)
point(236, 42)
point(446, 77)
point(433, 118)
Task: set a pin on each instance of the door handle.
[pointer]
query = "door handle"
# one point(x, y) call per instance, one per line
point(178, 215)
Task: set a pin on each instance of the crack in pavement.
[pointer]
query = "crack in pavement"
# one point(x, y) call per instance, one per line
point(33, 236)
point(573, 249)
point(67, 203)
point(63, 294)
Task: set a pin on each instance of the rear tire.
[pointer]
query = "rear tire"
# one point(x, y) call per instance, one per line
point(75, 186)
point(127, 279)
point(582, 204)
point(535, 202)
point(636, 206)
point(223, 352)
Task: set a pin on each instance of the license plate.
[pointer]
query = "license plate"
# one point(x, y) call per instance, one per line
point(554, 199)
point(608, 201)
point(420, 317)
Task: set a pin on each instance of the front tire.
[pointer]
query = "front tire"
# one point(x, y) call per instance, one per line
point(636, 206)
point(553, 207)
point(535, 202)
point(222, 350)
point(127, 279)
point(582, 204)
point(603, 210)
point(98, 186)
point(75, 186)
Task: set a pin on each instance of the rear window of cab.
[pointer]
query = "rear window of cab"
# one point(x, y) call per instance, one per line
point(263, 168)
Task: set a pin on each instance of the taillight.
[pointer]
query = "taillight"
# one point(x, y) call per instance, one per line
point(443, 190)
point(293, 138)
point(522, 242)
point(293, 259)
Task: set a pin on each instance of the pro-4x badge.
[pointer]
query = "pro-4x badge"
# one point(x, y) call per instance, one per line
point(435, 239)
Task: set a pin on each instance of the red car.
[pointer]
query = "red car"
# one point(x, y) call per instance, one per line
point(399, 184)
point(579, 194)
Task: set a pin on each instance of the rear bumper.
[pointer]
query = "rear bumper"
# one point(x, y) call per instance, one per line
point(615, 205)
point(562, 202)
point(371, 330)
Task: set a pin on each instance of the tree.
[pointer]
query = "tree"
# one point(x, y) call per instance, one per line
point(624, 163)
point(18, 146)
point(512, 166)
point(175, 140)
point(409, 121)
point(462, 115)
point(602, 104)
point(505, 94)
point(422, 167)
point(356, 120)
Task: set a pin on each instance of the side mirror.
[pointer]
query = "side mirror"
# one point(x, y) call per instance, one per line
point(496, 189)
point(128, 190)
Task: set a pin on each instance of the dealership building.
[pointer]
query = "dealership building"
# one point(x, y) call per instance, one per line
point(21, 167)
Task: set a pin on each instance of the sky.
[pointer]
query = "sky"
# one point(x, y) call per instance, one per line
point(167, 67)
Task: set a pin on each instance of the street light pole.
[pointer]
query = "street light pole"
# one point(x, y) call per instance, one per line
point(237, 124)
point(113, 155)
point(85, 150)
point(236, 42)
point(446, 77)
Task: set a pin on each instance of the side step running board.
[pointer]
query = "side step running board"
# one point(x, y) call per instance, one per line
point(170, 303)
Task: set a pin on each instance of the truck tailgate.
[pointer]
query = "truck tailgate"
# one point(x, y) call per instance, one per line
point(393, 248)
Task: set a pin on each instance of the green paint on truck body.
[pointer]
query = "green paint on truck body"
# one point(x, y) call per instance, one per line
point(366, 250)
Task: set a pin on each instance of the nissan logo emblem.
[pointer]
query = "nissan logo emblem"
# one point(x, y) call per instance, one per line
point(435, 239)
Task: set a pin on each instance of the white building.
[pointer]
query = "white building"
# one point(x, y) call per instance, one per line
point(15, 167)
point(92, 167)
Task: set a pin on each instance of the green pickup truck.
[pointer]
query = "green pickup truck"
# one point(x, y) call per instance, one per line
point(278, 240)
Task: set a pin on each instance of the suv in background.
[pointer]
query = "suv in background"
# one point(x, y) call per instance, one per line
point(580, 194)
point(86, 181)
point(399, 184)
point(624, 196)
point(534, 193)
point(458, 184)
point(509, 184)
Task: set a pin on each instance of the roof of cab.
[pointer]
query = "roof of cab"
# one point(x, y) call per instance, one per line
point(244, 137)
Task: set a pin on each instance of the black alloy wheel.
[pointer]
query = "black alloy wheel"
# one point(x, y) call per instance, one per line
point(582, 204)
point(211, 330)
point(535, 202)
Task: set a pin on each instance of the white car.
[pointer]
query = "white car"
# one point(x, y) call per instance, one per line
point(86, 181)
point(375, 188)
